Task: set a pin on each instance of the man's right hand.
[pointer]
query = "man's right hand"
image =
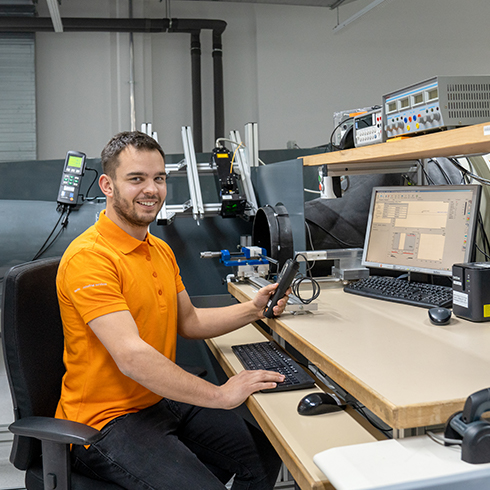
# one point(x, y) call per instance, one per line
point(142, 363)
point(239, 387)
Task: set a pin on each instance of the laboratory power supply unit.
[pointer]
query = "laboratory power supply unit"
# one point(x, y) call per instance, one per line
point(441, 102)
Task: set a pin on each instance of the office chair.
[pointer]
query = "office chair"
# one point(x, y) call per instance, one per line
point(32, 338)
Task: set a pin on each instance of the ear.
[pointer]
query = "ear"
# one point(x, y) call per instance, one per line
point(106, 185)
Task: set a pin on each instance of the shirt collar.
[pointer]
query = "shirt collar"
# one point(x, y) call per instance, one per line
point(118, 237)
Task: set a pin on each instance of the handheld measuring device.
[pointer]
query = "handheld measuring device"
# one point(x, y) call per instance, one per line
point(73, 171)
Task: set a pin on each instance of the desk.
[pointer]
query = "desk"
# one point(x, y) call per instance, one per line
point(296, 438)
point(389, 356)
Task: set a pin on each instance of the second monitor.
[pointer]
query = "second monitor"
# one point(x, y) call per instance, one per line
point(421, 228)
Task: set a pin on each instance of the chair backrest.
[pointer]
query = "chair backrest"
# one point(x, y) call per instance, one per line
point(32, 338)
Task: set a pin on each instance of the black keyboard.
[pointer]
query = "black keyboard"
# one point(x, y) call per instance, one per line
point(402, 291)
point(270, 357)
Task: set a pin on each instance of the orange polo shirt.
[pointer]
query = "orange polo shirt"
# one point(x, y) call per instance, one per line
point(106, 270)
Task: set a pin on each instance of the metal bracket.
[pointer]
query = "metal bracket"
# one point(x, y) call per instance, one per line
point(243, 165)
point(192, 174)
point(339, 169)
point(347, 262)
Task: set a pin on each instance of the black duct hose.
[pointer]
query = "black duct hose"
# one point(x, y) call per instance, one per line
point(192, 25)
point(219, 104)
point(218, 27)
point(196, 91)
point(83, 24)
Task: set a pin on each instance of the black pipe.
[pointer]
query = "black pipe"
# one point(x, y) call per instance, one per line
point(37, 24)
point(196, 91)
point(218, 27)
point(83, 24)
point(219, 103)
point(190, 26)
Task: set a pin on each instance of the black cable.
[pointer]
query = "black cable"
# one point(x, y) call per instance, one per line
point(468, 173)
point(64, 222)
point(483, 236)
point(335, 129)
point(427, 176)
point(487, 257)
point(484, 233)
point(339, 240)
point(295, 285)
point(90, 186)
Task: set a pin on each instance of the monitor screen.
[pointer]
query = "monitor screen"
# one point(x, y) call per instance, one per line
point(421, 228)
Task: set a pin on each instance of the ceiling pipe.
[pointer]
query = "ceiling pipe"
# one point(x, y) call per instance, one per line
point(189, 26)
point(194, 26)
point(196, 90)
point(83, 24)
point(219, 101)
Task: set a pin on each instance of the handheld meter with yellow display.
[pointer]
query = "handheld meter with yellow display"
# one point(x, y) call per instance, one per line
point(73, 171)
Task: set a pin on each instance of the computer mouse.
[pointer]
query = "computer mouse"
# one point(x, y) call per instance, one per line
point(439, 316)
point(317, 403)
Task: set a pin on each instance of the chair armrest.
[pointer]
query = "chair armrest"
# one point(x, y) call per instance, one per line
point(55, 430)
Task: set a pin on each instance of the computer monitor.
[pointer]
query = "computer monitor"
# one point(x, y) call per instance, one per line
point(421, 228)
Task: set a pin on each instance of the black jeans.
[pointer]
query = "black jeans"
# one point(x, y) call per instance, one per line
point(178, 446)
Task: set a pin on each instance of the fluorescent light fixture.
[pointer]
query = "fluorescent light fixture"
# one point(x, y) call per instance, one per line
point(54, 12)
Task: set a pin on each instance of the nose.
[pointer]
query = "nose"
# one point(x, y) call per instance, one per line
point(151, 187)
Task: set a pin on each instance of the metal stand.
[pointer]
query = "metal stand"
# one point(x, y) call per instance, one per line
point(195, 204)
point(243, 165)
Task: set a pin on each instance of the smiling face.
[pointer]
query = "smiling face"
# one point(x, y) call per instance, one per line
point(137, 191)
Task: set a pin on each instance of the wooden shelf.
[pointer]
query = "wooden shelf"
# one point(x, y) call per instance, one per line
point(469, 140)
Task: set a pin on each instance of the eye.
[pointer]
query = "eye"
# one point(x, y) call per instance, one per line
point(136, 179)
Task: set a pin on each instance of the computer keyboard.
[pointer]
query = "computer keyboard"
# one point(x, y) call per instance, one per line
point(402, 291)
point(270, 357)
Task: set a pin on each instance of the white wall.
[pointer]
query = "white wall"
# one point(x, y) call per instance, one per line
point(284, 67)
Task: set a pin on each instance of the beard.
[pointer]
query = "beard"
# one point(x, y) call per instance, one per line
point(128, 213)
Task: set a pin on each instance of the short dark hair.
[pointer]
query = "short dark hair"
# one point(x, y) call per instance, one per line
point(137, 139)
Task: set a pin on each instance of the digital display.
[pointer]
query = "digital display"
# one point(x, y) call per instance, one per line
point(74, 161)
point(391, 107)
point(432, 94)
point(404, 103)
point(365, 121)
point(421, 229)
point(418, 99)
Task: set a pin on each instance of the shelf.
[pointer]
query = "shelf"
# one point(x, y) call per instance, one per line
point(469, 140)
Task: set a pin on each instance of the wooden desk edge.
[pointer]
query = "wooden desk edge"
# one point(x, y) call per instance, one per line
point(301, 475)
point(405, 417)
point(372, 400)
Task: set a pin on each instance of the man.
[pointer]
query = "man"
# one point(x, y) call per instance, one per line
point(122, 303)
